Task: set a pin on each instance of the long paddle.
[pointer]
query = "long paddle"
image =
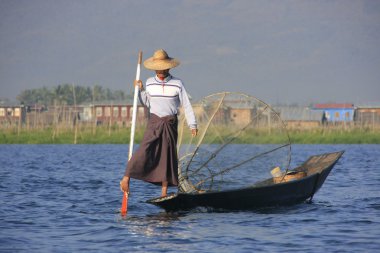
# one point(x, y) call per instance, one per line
point(124, 204)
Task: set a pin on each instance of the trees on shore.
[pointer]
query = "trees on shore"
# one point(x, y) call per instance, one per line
point(64, 94)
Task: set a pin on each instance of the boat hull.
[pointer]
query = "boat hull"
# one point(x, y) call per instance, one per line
point(263, 194)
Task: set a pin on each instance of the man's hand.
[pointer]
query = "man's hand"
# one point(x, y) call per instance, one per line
point(194, 132)
point(139, 84)
point(124, 184)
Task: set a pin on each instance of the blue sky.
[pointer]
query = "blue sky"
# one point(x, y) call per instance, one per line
point(279, 51)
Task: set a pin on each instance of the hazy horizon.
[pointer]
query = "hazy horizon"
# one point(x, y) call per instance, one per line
point(279, 51)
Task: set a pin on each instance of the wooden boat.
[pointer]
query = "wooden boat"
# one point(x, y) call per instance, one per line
point(269, 192)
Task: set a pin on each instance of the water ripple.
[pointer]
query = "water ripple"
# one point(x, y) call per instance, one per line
point(66, 198)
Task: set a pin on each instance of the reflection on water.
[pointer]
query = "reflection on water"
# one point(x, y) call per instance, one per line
point(150, 225)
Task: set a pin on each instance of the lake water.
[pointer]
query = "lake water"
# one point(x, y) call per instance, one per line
point(66, 198)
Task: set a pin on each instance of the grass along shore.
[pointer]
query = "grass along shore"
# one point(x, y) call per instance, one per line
point(120, 135)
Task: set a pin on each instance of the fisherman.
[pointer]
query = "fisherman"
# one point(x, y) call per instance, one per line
point(156, 159)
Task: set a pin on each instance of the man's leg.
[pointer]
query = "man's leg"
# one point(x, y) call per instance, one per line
point(164, 190)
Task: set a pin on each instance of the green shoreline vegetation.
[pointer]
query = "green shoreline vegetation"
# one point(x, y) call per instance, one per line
point(57, 126)
point(121, 135)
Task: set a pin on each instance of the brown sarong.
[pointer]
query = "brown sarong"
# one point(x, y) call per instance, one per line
point(156, 160)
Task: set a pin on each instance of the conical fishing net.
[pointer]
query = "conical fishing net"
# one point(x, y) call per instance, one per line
point(240, 140)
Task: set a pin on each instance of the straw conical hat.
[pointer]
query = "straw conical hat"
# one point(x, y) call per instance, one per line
point(160, 61)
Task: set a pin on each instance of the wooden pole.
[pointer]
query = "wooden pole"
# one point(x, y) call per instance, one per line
point(75, 120)
point(134, 110)
point(110, 119)
point(35, 116)
point(93, 111)
point(19, 121)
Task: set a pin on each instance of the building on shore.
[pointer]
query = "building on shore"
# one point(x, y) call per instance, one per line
point(300, 117)
point(336, 113)
point(115, 113)
point(12, 114)
point(367, 115)
point(101, 113)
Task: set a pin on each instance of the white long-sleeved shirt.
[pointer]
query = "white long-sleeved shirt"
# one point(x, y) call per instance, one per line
point(164, 98)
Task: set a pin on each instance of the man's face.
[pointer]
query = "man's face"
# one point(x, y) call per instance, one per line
point(162, 73)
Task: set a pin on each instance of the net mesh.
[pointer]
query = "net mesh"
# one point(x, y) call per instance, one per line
point(231, 149)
